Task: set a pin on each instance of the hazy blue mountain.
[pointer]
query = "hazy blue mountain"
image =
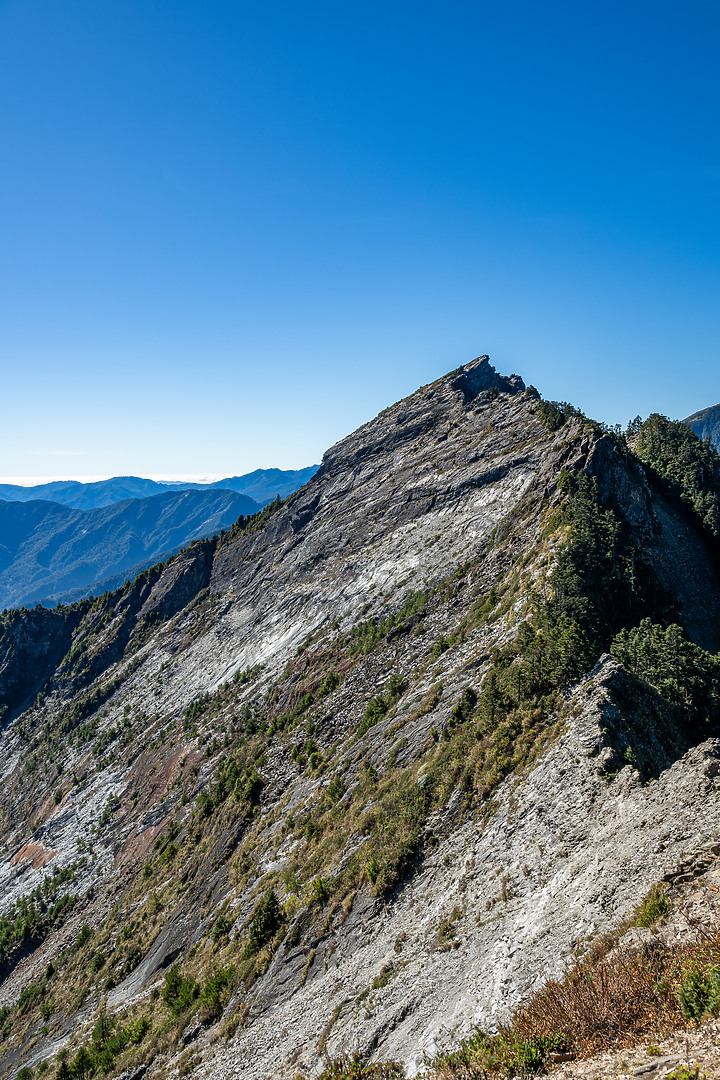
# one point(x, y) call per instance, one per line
point(85, 496)
point(706, 424)
point(48, 550)
point(108, 584)
point(262, 486)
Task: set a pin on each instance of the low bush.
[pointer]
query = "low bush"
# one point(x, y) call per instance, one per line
point(267, 919)
point(179, 991)
point(215, 992)
point(85, 935)
point(221, 927)
point(607, 999)
point(700, 992)
point(653, 907)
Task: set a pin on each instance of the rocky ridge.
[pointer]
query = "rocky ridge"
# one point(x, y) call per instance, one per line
point(414, 554)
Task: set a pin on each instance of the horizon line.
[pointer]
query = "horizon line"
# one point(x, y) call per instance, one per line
point(171, 478)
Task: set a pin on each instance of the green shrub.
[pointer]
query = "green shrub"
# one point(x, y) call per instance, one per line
point(85, 935)
point(103, 1030)
point(700, 992)
point(98, 961)
point(374, 712)
point(221, 927)
point(83, 1064)
point(465, 707)
point(215, 992)
point(321, 890)
point(179, 991)
point(354, 1068)
point(504, 1053)
point(267, 919)
point(30, 997)
point(441, 645)
point(336, 788)
point(169, 853)
point(329, 683)
point(137, 1031)
point(653, 907)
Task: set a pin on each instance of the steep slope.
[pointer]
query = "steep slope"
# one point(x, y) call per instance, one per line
point(357, 773)
point(706, 424)
point(47, 549)
point(262, 486)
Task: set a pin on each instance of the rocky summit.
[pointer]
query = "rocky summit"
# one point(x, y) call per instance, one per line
point(360, 774)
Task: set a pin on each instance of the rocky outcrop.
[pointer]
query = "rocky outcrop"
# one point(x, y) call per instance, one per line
point(32, 645)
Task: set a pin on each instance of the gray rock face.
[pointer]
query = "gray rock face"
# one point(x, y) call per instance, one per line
point(495, 910)
point(32, 646)
point(447, 488)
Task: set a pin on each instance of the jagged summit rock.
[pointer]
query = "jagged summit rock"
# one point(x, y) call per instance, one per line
point(340, 765)
point(480, 375)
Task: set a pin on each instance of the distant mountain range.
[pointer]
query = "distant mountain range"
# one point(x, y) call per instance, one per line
point(706, 424)
point(262, 486)
point(50, 552)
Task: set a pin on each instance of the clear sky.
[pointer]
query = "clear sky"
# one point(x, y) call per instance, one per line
point(230, 232)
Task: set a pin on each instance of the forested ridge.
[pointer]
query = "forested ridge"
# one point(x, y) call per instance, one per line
point(686, 465)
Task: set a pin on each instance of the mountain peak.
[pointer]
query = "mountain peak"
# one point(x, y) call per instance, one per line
point(480, 375)
point(331, 762)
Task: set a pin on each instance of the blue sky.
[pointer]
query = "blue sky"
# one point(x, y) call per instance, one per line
point(232, 232)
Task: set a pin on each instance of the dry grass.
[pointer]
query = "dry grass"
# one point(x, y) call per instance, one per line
point(613, 997)
point(603, 1004)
